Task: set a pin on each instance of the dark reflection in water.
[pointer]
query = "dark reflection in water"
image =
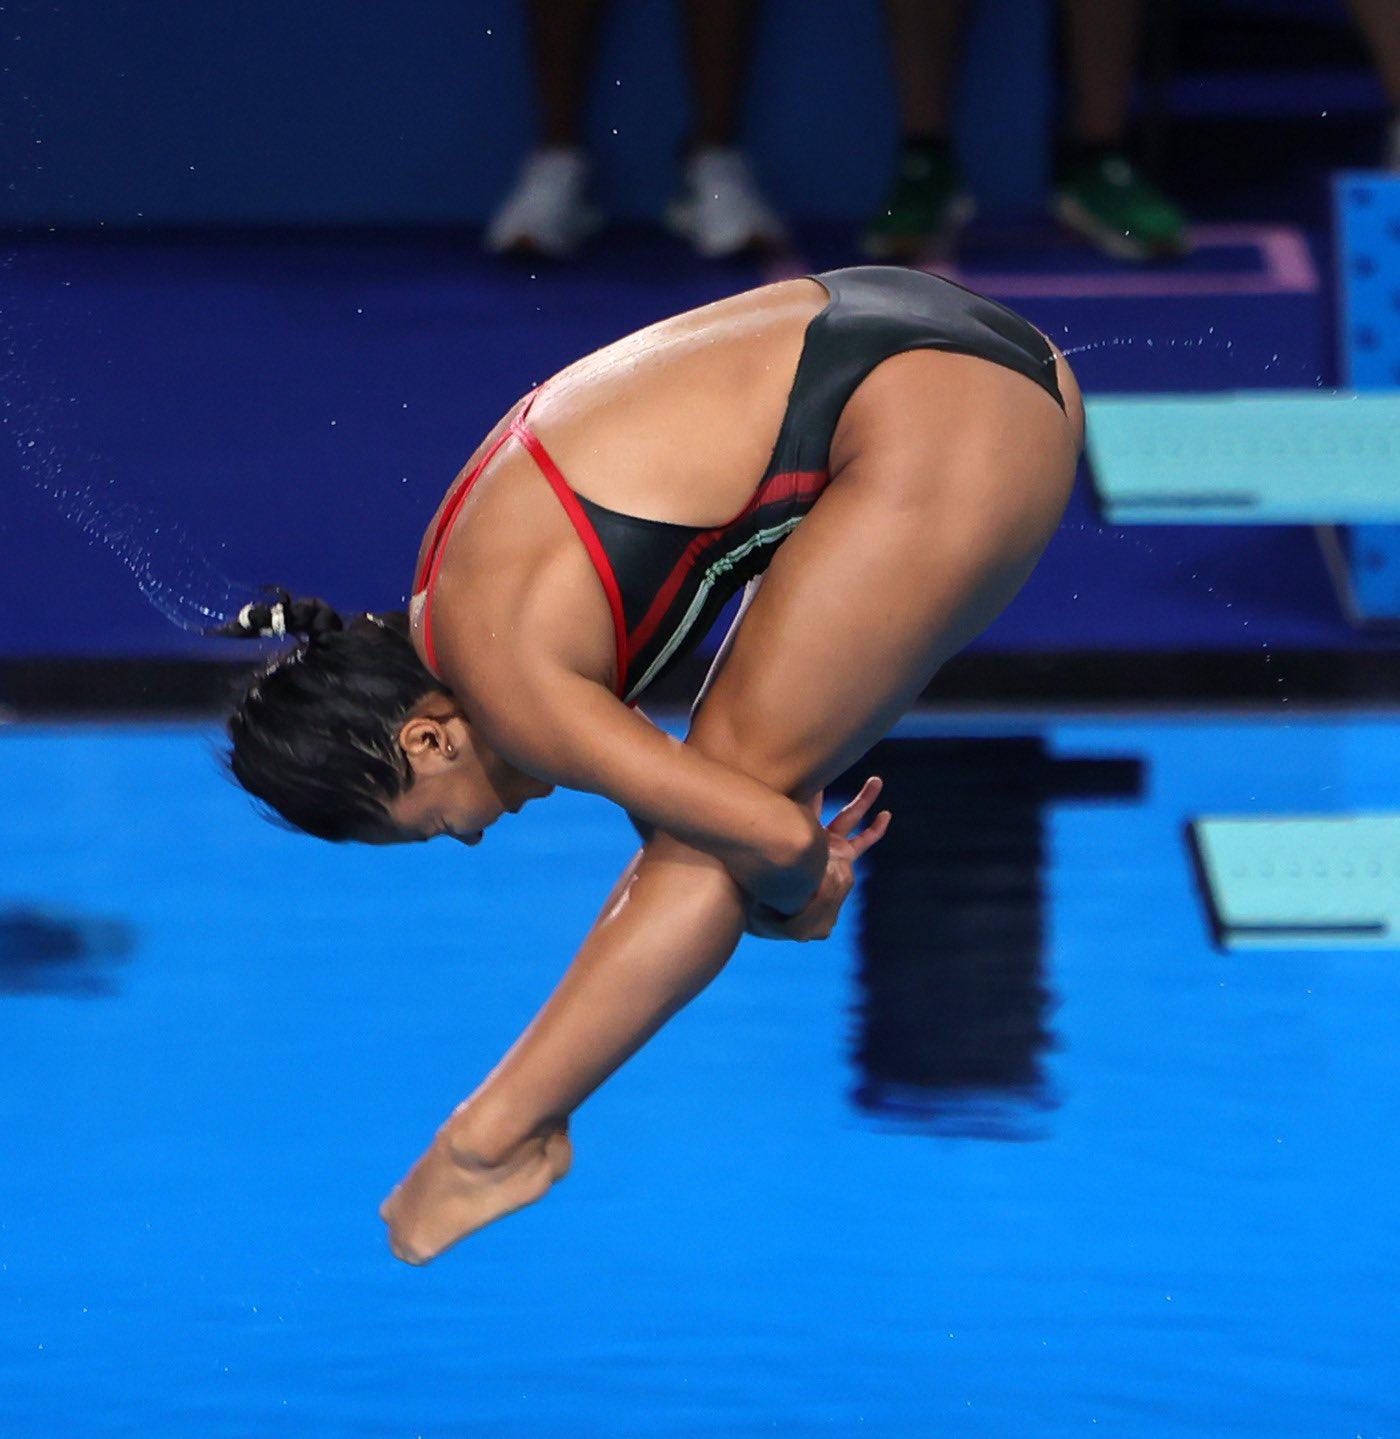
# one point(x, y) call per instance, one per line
point(42, 952)
point(953, 1013)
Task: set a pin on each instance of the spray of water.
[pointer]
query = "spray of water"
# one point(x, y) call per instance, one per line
point(1219, 343)
point(1206, 341)
point(172, 571)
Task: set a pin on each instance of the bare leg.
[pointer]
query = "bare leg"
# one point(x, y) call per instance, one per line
point(563, 39)
point(1380, 23)
point(668, 928)
point(924, 37)
point(1102, 44)
point(902, 563)
point(718, 42)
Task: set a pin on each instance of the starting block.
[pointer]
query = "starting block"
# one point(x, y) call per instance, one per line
point(1366, 216)
point(1365, 562)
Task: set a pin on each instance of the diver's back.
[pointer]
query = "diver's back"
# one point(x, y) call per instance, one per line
point(677, 422)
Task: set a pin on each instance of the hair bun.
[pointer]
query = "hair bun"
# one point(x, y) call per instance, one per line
point(281, 615)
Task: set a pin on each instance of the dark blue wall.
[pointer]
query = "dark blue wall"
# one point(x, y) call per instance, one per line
point(311, 112)
point(291, 409)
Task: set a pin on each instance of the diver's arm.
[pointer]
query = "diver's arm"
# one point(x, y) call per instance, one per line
point(531, 661)
point(571, 731)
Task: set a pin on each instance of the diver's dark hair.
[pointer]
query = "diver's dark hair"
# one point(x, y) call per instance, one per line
point(315, 736)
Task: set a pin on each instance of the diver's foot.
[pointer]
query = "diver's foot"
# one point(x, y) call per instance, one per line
point(452, 1192)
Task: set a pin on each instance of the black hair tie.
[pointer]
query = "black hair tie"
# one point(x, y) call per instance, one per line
point(282, 616)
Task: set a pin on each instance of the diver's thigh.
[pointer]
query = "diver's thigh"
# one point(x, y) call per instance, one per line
point(890, 575)
point(828, 655)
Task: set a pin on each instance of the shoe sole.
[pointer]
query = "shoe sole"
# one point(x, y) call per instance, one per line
point(1074, 216)
point(961, 210)
point(679, 218)
point(524, 243)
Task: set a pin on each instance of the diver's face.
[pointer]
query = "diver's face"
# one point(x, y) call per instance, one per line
point(460, 786)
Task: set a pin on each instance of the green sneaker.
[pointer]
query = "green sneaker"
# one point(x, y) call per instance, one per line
point(926, 208)
point(1108, 201)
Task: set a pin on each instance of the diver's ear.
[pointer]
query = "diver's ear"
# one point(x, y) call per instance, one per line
point(428, 744)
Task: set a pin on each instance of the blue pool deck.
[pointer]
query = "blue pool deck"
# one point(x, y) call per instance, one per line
point(220, 1044)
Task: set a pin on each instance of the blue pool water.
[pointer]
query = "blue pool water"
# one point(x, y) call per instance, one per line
point(1133, 1186)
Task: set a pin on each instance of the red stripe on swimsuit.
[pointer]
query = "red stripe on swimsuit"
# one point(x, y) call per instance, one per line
point(777, 489)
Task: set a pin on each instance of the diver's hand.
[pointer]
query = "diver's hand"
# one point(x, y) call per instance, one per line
point(452, 1191)
point(818, 919)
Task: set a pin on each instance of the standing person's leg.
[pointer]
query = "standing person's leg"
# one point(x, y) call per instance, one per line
point(924, 36)
point(927, 203)
point(1380, 23)
point(721, 209)
point(718, 39)
point(1101, 50)
point(563, 44)
point(1099, 191)
point(548, 211)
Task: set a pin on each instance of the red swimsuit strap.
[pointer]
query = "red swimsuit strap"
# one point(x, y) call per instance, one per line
point(432, 560)
point(584, 526)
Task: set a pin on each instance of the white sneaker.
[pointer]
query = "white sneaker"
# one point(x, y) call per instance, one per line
point(1392, 148)
point(548, 210)
point(721, 209)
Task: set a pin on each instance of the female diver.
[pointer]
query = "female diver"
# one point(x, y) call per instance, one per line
point(926, 441)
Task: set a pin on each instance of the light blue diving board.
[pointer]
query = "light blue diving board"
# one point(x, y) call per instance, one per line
point(1300, 881)
point(1270, 457)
